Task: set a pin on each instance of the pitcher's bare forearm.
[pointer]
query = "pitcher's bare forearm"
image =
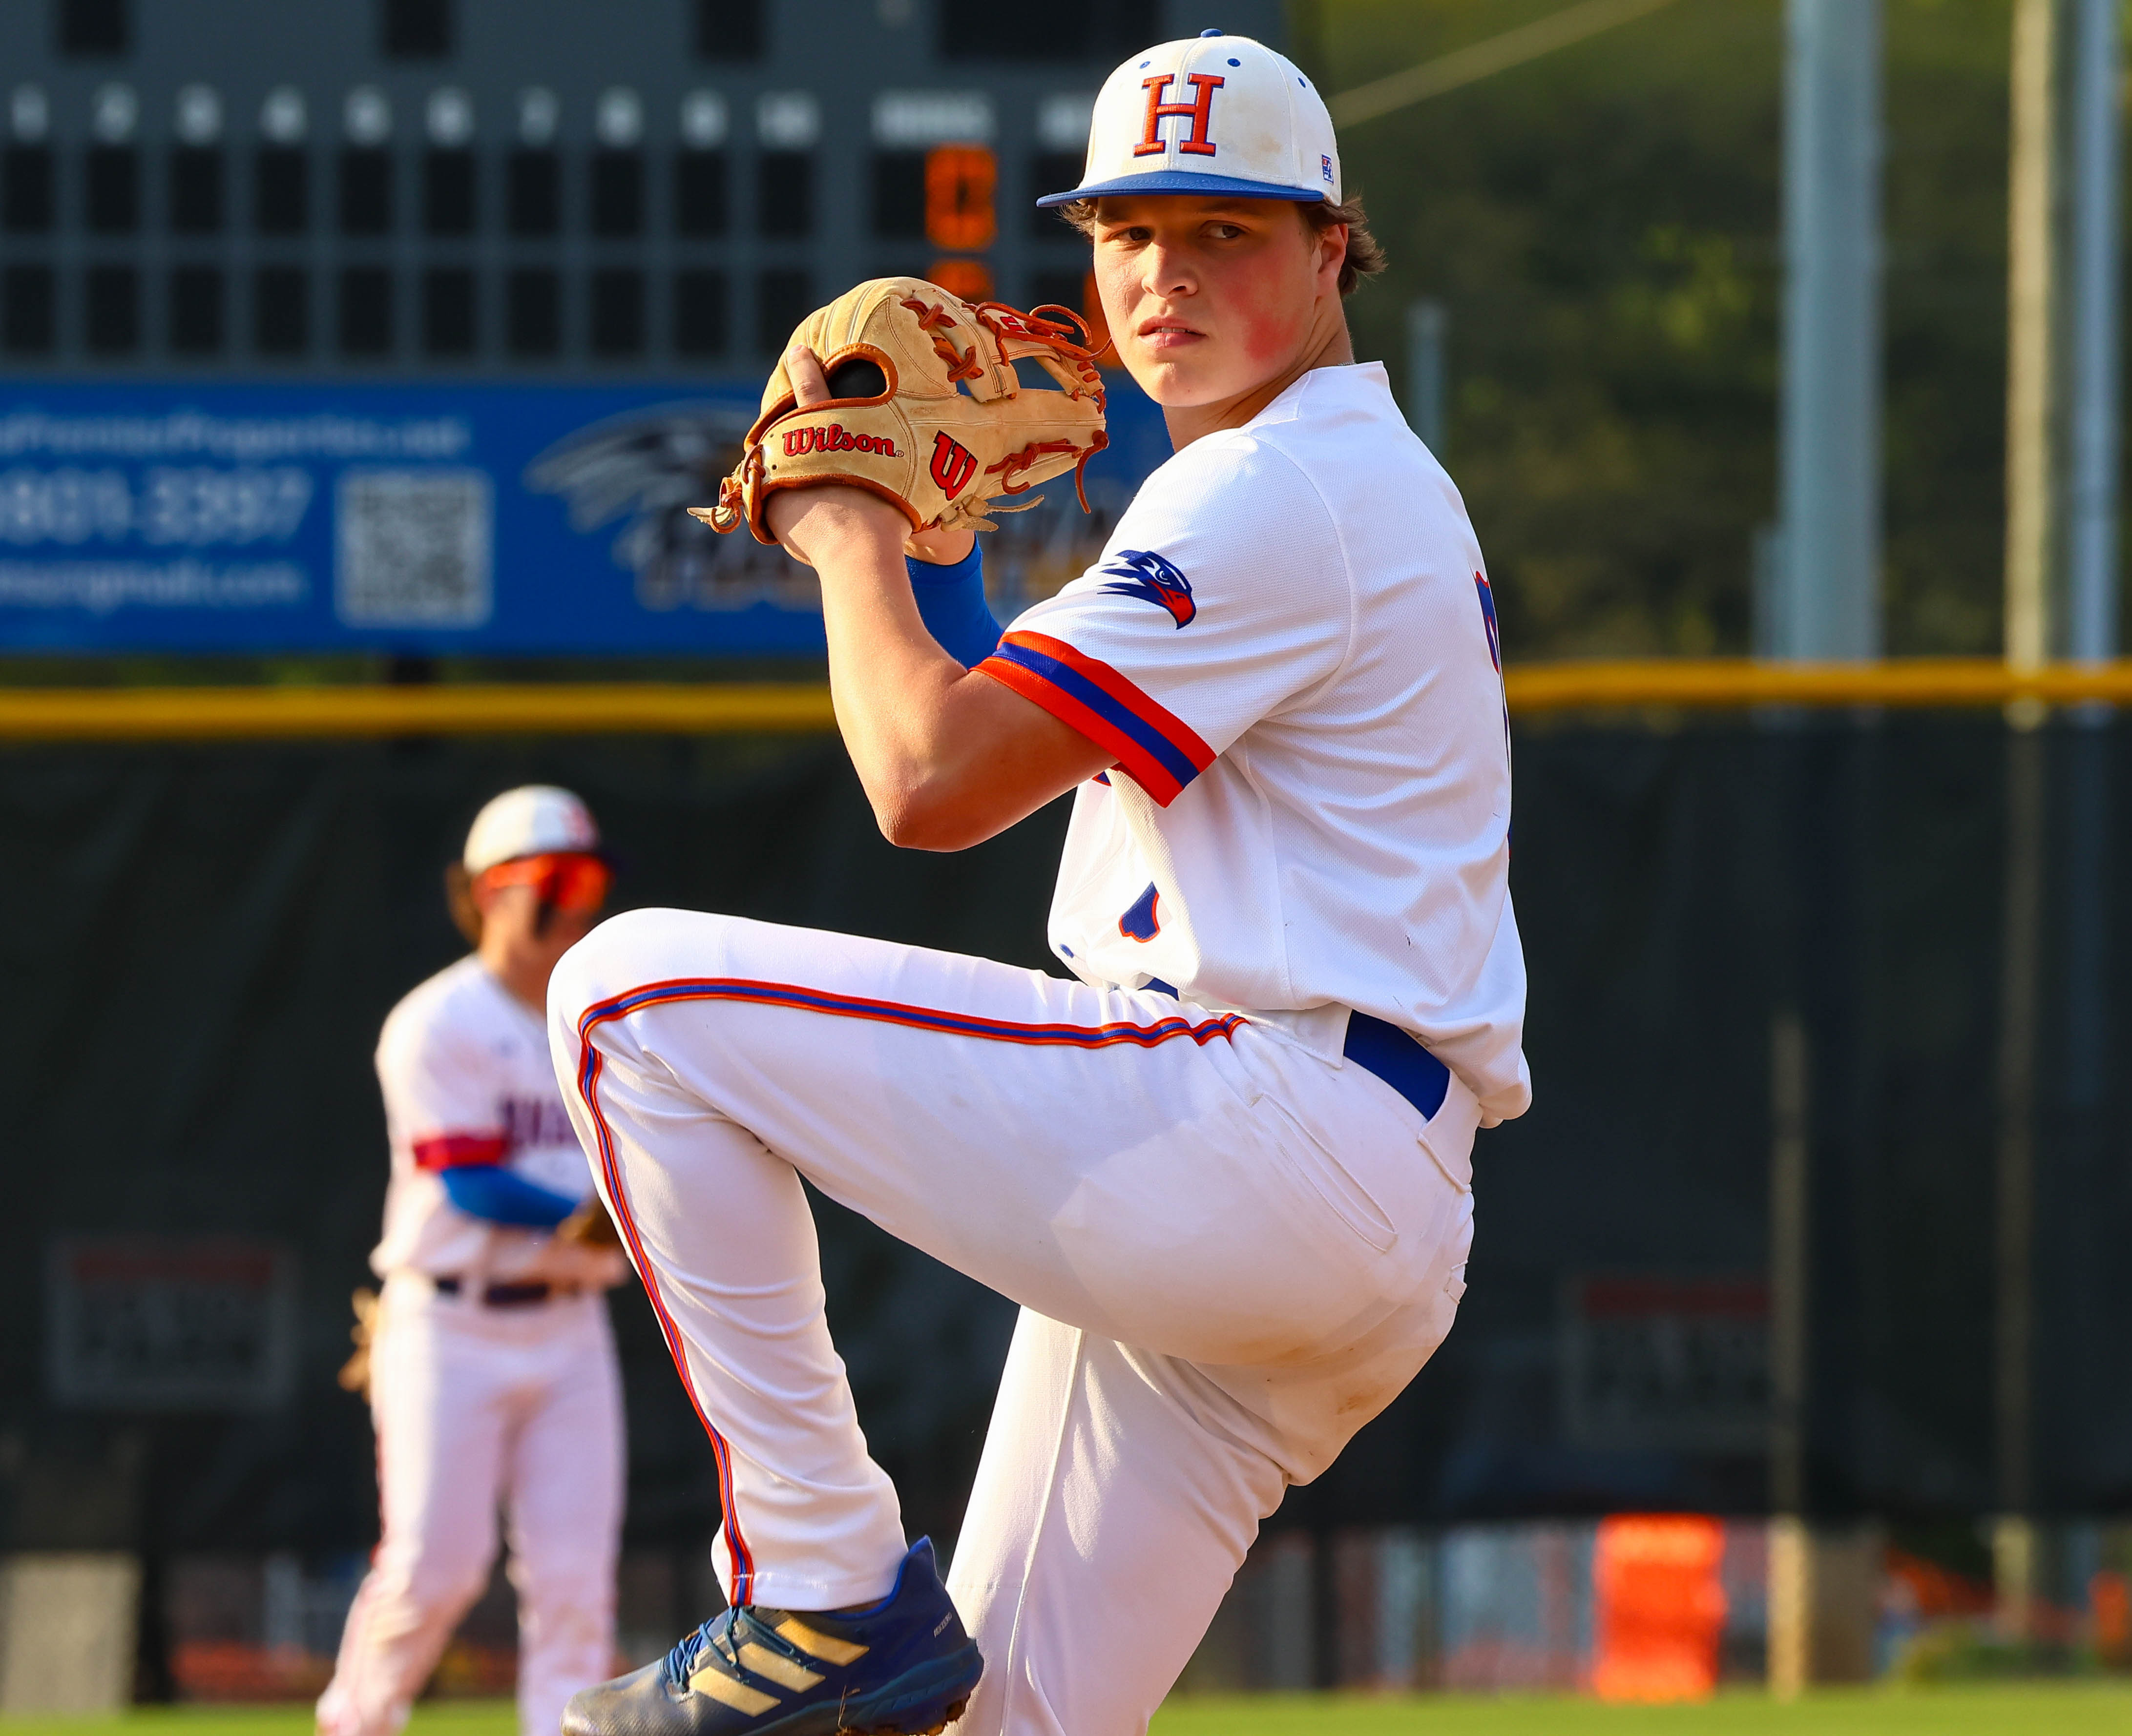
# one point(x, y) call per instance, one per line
point(947, 757)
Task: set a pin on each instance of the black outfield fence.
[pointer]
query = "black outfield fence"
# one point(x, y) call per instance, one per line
point(200, 941)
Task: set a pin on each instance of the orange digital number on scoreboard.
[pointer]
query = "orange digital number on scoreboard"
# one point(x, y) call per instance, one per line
point(960, 180)
point(971, 279)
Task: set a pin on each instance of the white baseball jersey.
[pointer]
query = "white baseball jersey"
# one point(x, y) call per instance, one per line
point(1290, 645)
point(464, 1069)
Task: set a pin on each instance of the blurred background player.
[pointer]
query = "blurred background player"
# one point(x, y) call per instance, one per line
point(492, 1378)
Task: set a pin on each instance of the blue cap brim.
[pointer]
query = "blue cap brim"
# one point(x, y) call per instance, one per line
point(1180, 180)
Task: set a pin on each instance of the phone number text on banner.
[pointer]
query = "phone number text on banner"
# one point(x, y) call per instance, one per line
point(474, 518)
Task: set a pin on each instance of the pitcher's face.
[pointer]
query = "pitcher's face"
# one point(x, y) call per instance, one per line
point(1208, 297)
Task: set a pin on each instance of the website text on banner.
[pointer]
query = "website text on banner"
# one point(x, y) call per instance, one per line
point(471, 519)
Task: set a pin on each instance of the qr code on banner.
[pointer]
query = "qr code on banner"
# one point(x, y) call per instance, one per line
point(413, 549)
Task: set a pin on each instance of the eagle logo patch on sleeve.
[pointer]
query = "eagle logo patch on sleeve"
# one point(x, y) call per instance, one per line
point(1146, 574)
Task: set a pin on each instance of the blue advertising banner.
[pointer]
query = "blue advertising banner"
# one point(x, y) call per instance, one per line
point(427, 519)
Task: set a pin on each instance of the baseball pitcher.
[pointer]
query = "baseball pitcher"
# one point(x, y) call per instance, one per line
point(492, 1370)
point(1226, 1169)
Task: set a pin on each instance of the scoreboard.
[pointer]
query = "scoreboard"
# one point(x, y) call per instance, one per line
point(416, 324)
point(527, 187)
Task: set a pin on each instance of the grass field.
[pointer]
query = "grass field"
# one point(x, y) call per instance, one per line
point(2070, 1709)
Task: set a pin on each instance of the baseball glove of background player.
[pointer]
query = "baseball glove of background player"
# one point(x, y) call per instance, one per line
point(589, 1226)
point(354, 1375)
point(925, 408)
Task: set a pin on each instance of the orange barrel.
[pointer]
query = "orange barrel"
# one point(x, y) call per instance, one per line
point(1660, 1606)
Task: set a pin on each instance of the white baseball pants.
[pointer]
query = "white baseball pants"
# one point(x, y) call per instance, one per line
point(1230, 1252)
point(475, 1407)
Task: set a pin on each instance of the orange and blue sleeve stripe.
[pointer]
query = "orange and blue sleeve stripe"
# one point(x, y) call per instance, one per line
point(1161, 751)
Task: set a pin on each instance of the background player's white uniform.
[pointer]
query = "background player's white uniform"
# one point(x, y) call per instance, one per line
point(476, 1404)
point(1233, 1245)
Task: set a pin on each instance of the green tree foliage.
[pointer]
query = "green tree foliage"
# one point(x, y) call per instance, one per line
point(1602, 224)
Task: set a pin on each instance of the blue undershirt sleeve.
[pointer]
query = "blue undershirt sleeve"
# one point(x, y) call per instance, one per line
point(951, 602)
point(489, 1190)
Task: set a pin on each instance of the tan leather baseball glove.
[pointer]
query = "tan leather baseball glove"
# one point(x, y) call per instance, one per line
point(925, 408)
point(589, 1225)
point(354, 1375)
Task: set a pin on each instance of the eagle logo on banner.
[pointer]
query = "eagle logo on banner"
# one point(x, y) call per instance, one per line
point(641, 470)
point(645, 468)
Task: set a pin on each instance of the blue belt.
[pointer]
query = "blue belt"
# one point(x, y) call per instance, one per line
point(1389, 1052)
point(1397, 1059)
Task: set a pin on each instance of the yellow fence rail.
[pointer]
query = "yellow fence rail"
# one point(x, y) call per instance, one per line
point(559, 708)
point(268, 713)
point(1719, 683)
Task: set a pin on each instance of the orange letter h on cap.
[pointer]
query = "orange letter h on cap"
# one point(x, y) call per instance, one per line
point(1195, 142)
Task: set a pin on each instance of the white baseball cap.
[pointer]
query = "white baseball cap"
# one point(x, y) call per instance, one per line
point(1210, 114)
point(531, 820)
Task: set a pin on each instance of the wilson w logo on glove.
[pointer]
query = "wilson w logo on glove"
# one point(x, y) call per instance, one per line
point(953, 430)
point(952, 465)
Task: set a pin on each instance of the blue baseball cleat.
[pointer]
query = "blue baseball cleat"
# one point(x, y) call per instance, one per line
point(901, 1668)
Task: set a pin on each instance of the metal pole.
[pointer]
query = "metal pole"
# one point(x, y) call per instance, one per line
point(1789, 1197)
point(1790, 1568)
point(1829, 483)
point(1427, 323)
point(2094, 390)
point(2033, 434)
point(2094, 384)
point(1822, 603)
point(2013, 1539)
point(2047, 450)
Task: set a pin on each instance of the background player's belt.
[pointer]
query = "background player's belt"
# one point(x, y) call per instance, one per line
point(499, 1296)
point(1389, 1052)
